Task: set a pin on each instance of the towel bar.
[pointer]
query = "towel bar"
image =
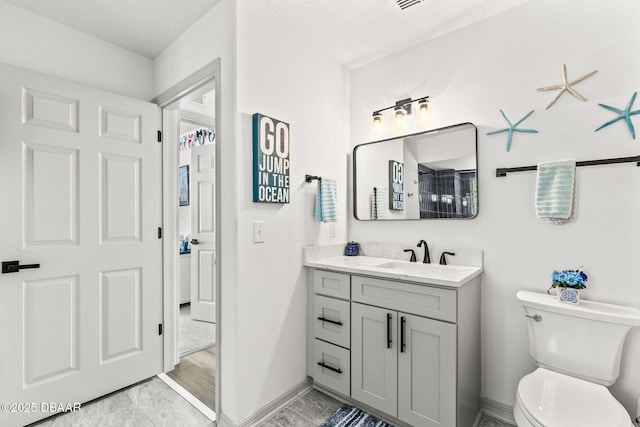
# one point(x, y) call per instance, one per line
point(500, 172)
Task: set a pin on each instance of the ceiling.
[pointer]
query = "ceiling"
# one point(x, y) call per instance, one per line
point(143, 26)
point(354, 32)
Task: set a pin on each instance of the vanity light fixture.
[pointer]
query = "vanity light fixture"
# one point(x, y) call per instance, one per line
point(400, 121)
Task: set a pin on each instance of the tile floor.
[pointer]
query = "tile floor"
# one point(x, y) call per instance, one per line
point(152, 403)
point(146, 404)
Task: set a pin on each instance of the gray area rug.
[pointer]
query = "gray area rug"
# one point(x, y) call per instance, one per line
point(194, 335)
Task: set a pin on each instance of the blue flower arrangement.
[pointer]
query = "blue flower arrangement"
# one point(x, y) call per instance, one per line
point(569, 279)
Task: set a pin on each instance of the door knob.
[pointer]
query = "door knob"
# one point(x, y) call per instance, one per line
point(14, 266)
point(195, 242)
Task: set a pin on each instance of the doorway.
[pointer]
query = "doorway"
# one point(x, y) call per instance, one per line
point(190, 220)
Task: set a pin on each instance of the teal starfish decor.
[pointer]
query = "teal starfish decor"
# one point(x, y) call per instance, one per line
point(513, 128)
point(623, 114)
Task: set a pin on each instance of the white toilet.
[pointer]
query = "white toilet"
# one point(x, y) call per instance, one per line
point(577, 349)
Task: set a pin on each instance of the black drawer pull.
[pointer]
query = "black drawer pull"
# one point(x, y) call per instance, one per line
point(330, 321)
point(338, 370)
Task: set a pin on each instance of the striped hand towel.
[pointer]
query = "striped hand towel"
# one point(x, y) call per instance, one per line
point(555, 190)
point(326, 201)
point(380, 203)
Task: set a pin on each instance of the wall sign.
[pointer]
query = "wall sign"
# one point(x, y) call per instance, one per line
point(396, 185)
point(270, 160)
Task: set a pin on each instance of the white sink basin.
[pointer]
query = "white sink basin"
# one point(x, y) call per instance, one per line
point(421, 268)
point(434, 272)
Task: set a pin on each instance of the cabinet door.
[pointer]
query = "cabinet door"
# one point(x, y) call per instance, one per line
point(427, 372)
point(374, 357)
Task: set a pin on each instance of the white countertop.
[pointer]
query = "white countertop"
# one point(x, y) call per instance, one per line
point(453, 276)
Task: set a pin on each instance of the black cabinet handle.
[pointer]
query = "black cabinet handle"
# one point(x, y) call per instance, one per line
point(388, 330)
point(14, 266)
point(403, 320)
point(195, 242)
point(330, 321)
point(338, 370)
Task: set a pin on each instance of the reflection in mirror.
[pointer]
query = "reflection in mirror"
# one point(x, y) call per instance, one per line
point(431, 174)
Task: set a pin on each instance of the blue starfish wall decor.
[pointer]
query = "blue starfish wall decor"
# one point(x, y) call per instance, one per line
point(623, 114)
point(513, 128)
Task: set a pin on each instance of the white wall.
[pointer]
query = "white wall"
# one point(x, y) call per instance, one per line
point(30, 41)
point(498, 63)
point(263, 285)
point(282, 77)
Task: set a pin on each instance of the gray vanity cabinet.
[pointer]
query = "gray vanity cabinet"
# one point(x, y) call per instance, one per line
point(413, 352)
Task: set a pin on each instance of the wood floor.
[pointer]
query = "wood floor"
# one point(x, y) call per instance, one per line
point(196, 373)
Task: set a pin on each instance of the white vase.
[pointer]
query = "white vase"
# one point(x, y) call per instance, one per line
point(569, 295)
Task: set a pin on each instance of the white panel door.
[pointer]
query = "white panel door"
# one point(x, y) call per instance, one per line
point(427, 372)
point(374, 357)
point(203, 233)
point(81, 197)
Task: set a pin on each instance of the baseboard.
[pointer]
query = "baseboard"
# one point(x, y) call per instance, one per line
point(270, 409)
point(497, 410)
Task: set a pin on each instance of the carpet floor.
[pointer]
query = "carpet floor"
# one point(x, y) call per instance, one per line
point(194, 335)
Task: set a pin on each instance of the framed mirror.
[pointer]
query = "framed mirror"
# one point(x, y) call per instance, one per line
point(426, 175)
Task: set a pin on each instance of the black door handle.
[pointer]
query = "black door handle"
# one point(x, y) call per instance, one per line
point(402, 330)
point(14, 266)
point(388, 330)
point(195, 242)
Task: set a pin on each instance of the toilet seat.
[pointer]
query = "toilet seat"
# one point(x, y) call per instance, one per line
point(550, 399)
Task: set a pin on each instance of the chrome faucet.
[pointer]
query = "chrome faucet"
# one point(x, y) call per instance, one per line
point(427, 258)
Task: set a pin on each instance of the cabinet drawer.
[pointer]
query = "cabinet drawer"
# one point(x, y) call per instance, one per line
point(332, 284)
point(336, 372)
point(335, 325)
point(436, 303)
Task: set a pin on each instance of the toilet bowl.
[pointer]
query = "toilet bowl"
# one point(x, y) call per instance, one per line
point(548, 399)
point(577, 349)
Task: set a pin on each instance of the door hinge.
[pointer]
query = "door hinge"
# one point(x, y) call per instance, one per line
point(159, 328)
point(159, 232)
point(159, 136)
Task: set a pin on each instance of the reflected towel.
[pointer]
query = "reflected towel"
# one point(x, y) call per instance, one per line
point(555, 189)
point(326, 201)
point(380, 203)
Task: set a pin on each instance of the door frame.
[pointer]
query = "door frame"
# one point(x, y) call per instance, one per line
point(170, 271)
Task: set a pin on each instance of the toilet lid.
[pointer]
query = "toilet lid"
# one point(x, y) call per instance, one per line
point(551, 399)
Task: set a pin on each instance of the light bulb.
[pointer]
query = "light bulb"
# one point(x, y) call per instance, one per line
point(377, 129)
point(423, 115)
point(399, 120)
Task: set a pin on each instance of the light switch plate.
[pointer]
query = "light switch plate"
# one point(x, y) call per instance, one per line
point(258, 231)
point(332, 229)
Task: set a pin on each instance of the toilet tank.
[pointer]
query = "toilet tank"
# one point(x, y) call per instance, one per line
point(583, 340)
